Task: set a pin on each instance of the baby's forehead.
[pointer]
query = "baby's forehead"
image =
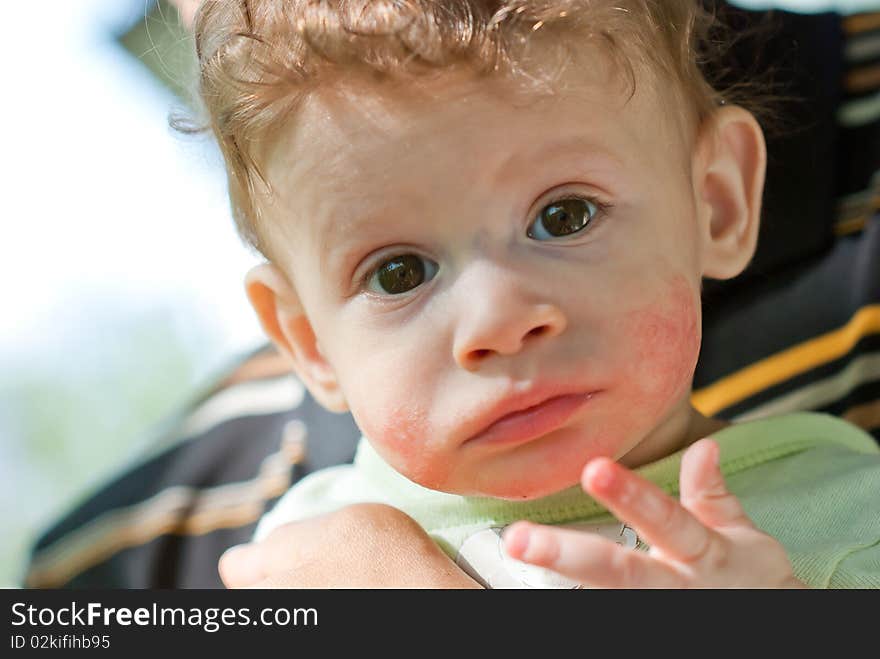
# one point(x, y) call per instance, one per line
point(359, 128)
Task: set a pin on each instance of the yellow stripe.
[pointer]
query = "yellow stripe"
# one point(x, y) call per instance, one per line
point(866, 416)
point(862, 80)
point(861, 23)
point(853, 225)
point(787, 364)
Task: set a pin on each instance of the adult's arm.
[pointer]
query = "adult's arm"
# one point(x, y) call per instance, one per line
point(359, 546)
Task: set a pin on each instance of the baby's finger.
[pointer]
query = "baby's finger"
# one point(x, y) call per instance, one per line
point(703, 491)
point(587, 558)
point(660, 520)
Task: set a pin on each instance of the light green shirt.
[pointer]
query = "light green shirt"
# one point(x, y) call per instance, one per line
point(812, 481)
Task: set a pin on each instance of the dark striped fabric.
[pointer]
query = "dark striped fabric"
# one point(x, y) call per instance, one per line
point(857, 183)
point(800, 331)
point(807, 338)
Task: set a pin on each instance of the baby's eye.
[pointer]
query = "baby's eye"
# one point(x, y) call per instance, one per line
point(401, 274)
point(563, 218)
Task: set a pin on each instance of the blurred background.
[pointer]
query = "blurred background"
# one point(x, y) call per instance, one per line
point(120, 269)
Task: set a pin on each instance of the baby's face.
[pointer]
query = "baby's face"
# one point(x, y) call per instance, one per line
point(468, 255)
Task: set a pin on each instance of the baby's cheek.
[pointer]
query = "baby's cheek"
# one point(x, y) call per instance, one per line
point(397, 428)
point(664, 343)
point(400, 433)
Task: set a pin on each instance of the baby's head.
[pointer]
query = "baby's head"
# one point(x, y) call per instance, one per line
point(471, 208)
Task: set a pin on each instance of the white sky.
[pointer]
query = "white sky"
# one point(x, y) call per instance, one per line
point(842, 6)
point(102, 204)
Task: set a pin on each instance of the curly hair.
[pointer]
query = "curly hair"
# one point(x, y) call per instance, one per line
point(259, 58)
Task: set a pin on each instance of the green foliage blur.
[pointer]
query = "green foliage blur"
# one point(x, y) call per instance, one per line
point(74, 415)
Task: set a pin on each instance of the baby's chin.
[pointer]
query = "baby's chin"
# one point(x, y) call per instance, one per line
point(519, 488)
point(539, 469)
point(529, 493)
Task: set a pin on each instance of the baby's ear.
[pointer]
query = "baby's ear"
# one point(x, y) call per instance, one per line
point(730, 161)
point(284, 320)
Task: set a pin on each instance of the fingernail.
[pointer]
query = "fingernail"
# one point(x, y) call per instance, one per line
point(714, 452)
point(600, 475)
point(516, 540)
point(716, 456)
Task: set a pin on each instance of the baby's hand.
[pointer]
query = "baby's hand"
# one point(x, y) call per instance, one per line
point(704, 541)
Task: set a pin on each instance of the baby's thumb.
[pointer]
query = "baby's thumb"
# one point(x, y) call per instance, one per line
point(703, 490)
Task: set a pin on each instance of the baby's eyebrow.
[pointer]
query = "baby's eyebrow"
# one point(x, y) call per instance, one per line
point(581, 147)
point(350, 216)
point(336, 238)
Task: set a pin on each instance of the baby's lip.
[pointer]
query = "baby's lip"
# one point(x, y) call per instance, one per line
point(524, 416)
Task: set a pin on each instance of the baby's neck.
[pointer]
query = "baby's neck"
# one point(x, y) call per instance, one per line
point(678, 431)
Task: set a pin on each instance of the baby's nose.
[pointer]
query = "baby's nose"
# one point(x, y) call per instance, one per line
point(504, 328)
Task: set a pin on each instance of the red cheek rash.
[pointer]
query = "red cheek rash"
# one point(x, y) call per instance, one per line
point(665, 343)
point(401, 435)
point(398, 429)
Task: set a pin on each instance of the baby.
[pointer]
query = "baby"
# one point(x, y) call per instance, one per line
point(486, 225)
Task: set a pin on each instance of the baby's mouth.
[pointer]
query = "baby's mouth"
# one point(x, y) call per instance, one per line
point(528, 423)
